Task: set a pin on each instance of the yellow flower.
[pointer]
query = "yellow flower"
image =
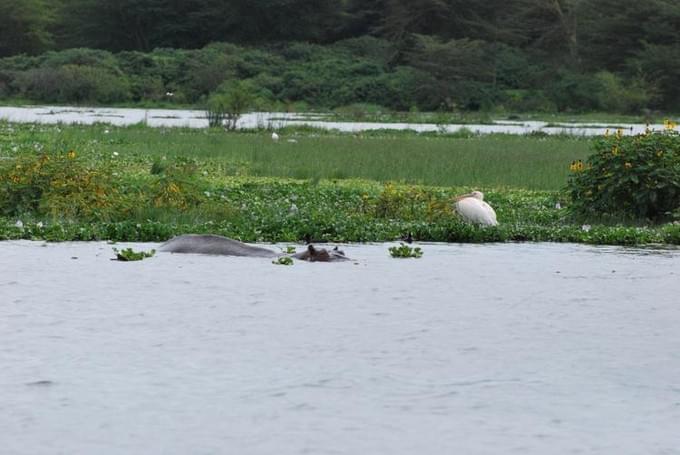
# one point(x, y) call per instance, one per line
point(606, 133)
point(71, 154)
point(659, 153)
point(669, 124)
point(615, 150)
point(627, 165)
point(576, 166)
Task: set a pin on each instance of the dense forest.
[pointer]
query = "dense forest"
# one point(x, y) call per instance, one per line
point(524, 55)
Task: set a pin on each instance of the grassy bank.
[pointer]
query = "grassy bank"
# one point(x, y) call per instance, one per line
point(456, 160)
point(369, 113)
point(142, 184)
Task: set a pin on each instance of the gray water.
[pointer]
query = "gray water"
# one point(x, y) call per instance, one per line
point(472, 349)
point(274, 120)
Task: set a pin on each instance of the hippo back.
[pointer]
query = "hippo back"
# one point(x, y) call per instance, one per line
point(213, 244)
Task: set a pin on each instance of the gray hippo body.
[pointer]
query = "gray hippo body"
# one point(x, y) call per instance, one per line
point(216, 244)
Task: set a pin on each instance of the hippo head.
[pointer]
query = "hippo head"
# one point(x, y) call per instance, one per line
point(313, 254)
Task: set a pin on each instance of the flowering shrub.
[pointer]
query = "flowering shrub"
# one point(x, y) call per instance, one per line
point(176, 184)
point(409, 202)
point(55, 184)
point(631, 177)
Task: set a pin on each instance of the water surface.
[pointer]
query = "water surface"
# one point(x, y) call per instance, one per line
point(275, 120)
point(472, 349)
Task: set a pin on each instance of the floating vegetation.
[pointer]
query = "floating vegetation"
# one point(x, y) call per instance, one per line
point(128, 254)
point(283, 260)
point(405, 251)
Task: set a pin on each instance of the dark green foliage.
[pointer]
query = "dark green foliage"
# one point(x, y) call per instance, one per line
point(575, 91)
point(427, 54)
point(24, 26)
point(659, 66)
point(629, 178)
point(73, 84)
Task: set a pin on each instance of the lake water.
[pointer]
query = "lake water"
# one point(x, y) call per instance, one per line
point(197, 119)
point(472, 349)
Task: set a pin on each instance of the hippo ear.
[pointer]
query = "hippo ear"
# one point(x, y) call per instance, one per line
point(335, 249)
point(311, 249)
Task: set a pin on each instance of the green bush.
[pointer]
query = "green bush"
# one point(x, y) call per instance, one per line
point(617, 95)
point(574, 92)
point(527, 101)
point(428, 74)
point(58, 185)
point(225, 107)
point(176, 184)
point(629, 177)
point(147, 88)
point(6, 78)
point(82, 57)
point(73, 84)
point(375, 49)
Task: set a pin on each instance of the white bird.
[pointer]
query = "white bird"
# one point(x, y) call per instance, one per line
point(472, 208)
point(275, 137)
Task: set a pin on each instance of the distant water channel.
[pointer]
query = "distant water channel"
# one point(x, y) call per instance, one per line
point(472, 349)
point(275, 120)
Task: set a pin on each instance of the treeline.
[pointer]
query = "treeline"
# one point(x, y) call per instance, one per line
point(612, 55)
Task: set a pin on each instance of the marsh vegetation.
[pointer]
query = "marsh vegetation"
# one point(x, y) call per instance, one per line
point(144, 184)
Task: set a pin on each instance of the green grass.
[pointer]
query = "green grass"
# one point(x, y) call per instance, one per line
point(538, 163)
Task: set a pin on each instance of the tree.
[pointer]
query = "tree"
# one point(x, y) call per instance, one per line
point(24, 26)
point(464, 68)
point(124, 24)
point(226, 106)
point(612, 31)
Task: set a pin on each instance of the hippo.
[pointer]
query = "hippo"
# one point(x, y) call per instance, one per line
point(216, 244)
